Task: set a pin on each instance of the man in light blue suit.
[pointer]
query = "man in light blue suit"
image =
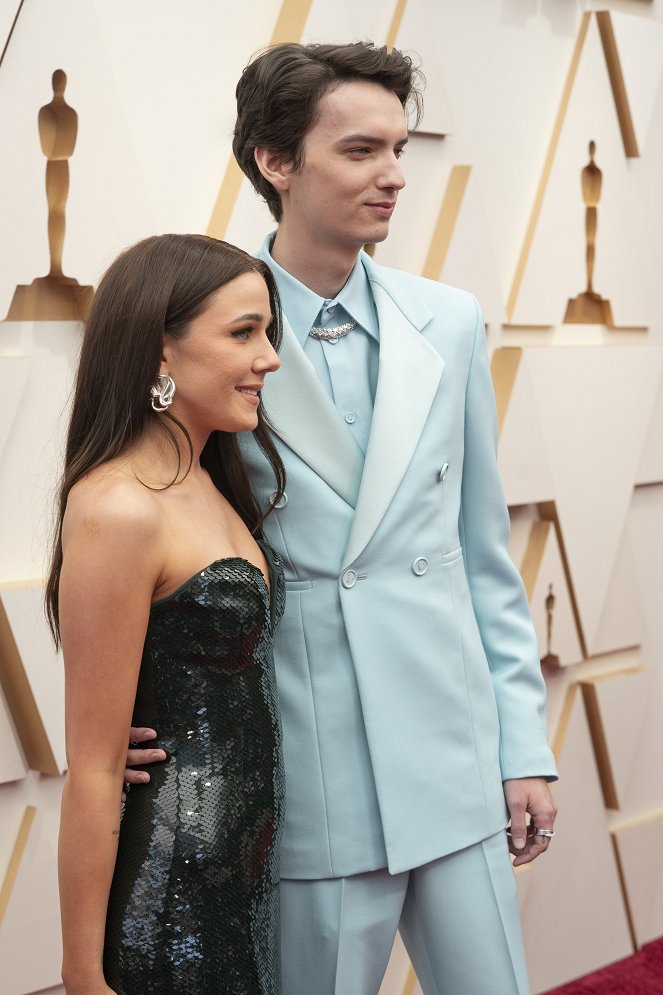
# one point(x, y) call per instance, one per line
point(411, 693)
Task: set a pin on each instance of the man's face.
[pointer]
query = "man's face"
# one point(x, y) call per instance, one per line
point(345, 192)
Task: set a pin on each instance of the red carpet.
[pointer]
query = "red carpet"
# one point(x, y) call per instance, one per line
point(641, 974)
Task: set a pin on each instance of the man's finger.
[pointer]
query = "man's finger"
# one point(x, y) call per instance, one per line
point(141, 734)
point(136, 758)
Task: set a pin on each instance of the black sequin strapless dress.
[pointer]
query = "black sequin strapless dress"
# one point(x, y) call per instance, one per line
point(194, 900)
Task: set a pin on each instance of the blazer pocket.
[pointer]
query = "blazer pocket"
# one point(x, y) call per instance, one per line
point(298, 585)
point(455, 554)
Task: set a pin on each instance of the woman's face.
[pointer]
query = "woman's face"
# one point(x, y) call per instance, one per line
point(220, 366)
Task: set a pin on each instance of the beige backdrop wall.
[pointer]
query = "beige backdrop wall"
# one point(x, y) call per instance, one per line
point(516, 90)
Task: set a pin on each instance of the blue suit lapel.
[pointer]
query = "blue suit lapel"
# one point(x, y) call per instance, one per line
point(305, 418)
point(409, 375)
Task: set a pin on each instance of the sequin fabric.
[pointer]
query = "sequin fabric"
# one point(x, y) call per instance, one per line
point(193, 906)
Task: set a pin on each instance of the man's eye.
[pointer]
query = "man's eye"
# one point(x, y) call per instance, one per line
point(399, 153)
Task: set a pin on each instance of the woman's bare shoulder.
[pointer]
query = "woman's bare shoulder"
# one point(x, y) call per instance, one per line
point(110, 502)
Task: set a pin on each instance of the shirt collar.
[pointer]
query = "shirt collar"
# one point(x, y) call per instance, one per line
point(302, 305)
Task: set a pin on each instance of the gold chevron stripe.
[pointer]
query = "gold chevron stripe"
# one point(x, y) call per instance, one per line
point(504, 369)
point(531, 565)
point(564, 719)
point(15, 859)
point(289, 27)
point(446, 222)
point(625, 896)
point(22, 704)
point(547, 167)
point(11, 32)
point(395, 23)
point(617, 83)
point(600, 743)
point(291, 21)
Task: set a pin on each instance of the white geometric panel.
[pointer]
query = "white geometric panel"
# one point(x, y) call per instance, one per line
point(41, 664)
point(575, 885)
point(31, 461)
point(369, 19)
point(13, 375)
point(622, 620)
point(549, 579)
point(650, 469)
point(470, 259)
point(522, 457)
point(555, 268)
point(640, 47)
point(12, 761)
point(594, 406)
point(415, 36)
point(30, 943)
point(639, 846)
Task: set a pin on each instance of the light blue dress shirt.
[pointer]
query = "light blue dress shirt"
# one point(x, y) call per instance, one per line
point(348, 368)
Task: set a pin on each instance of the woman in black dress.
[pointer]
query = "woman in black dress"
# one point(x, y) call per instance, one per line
point(165, 599)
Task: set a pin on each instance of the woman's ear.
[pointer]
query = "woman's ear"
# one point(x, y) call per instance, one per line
point(166, 355)
point(272, 166)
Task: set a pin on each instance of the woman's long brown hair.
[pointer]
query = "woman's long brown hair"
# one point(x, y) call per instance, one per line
point(154, 288)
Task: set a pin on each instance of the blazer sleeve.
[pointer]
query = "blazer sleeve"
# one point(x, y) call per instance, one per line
point(497, 591)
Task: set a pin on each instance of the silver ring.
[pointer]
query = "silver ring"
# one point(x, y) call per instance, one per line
point(544, 832)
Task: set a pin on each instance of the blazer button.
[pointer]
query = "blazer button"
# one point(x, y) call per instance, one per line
point(443, 471)
point(349, 579)
point(420, 566)
point(282, 501)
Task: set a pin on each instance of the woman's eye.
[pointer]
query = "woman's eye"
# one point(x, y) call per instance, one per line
point(242, 333)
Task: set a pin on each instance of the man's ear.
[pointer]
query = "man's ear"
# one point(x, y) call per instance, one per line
point(273, 168)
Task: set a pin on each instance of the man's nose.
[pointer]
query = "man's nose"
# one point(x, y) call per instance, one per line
point(393, 175)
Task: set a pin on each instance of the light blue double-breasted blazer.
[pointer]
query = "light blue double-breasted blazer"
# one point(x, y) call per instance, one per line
point(407, 665)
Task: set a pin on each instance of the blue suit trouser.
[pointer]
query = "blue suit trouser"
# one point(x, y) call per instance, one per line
point(458, 917)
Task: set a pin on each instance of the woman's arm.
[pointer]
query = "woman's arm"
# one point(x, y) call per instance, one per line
point(110, 570)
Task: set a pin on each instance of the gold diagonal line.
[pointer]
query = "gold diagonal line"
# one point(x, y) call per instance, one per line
point(446, 221)
point(625, 896)
point(15, 859)
point(226, 199)
point(547, 167)
point(289, 27)
point(394, 27)
point(600, 744)
point(503, 370)
point(11, 32)
point(291, 21)
point(531, 565)
point(617, 83)
point(564, 720)
point(21, 703)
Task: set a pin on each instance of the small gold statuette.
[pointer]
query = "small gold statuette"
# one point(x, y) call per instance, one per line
point(589, 308)
point(550, 659)
point(54, 297)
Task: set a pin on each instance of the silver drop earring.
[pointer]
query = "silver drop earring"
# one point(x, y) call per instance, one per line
point(163, 392)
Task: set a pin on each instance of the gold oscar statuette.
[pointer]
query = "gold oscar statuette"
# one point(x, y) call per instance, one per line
point(54, 297)
point(589, 308)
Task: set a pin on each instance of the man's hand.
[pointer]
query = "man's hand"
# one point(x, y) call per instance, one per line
point(529, 795)
point(140, 757)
